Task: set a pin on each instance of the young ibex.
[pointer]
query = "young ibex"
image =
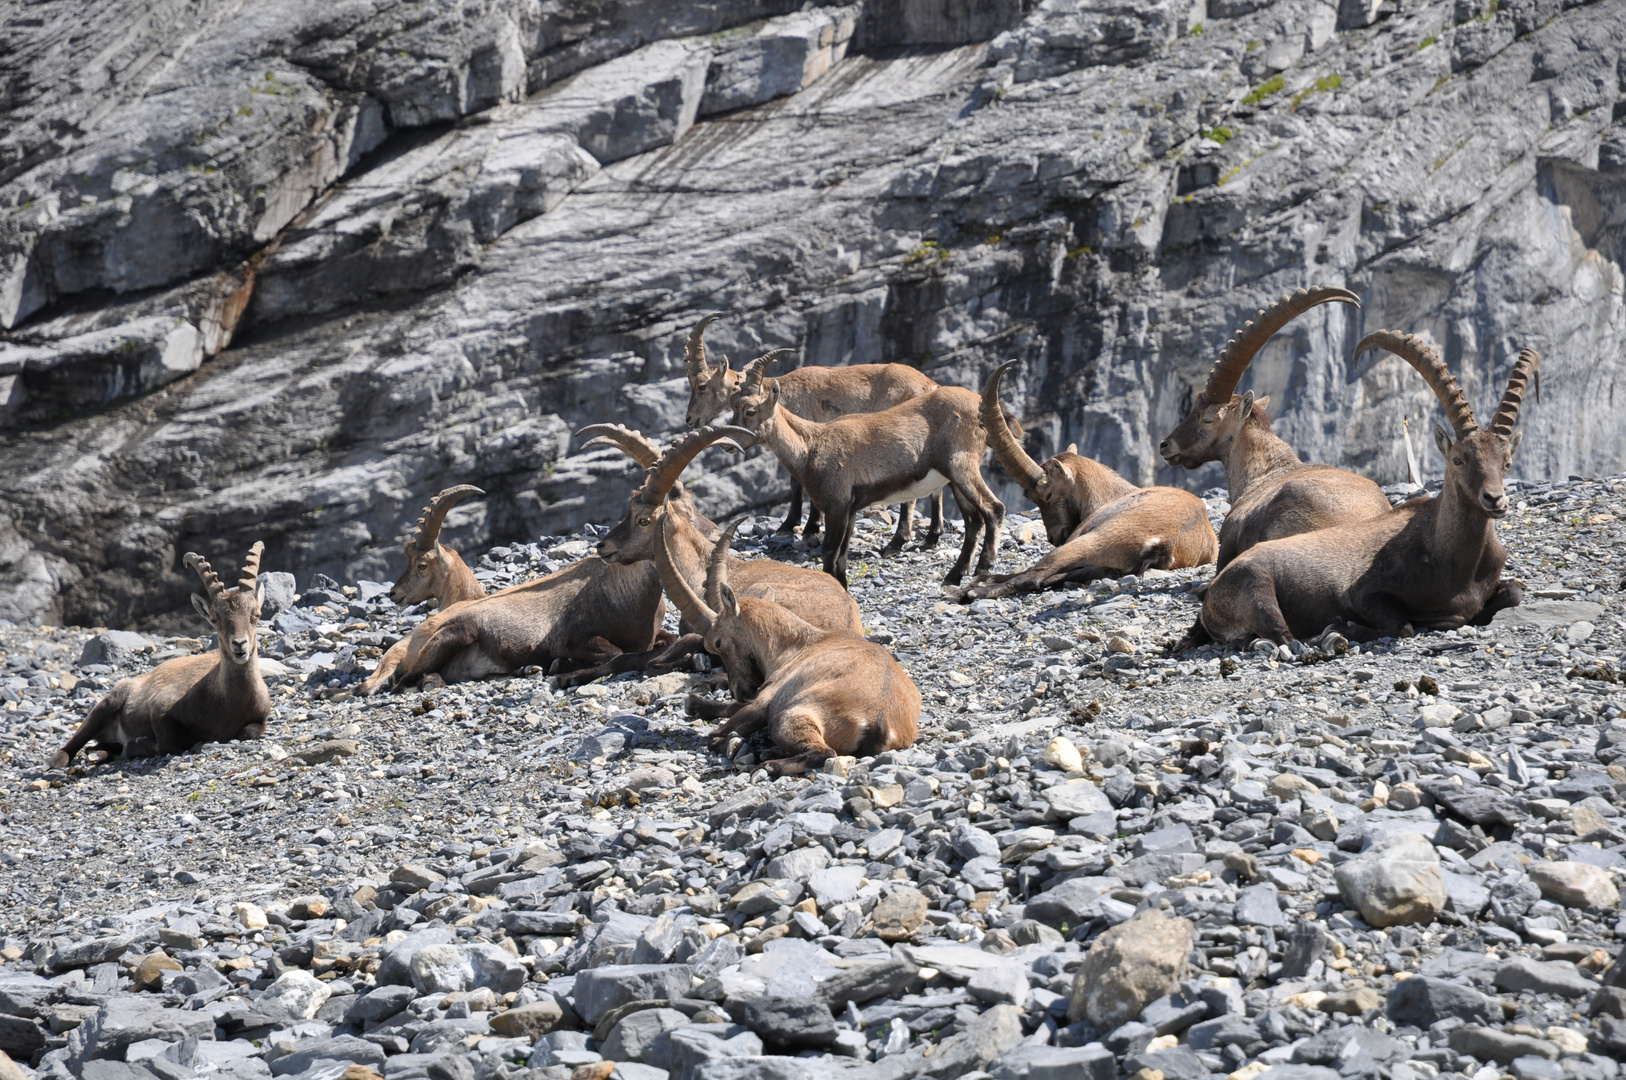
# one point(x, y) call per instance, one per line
point(432, 568)
point(818, 393)
point(1273, 493)
point(1430, 563)
point(191, 699)
point(819, 692)
point(899, 454)
point(1100, 523)
point(813, 595)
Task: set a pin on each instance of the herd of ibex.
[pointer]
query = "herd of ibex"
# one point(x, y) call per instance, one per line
point(1306, 552)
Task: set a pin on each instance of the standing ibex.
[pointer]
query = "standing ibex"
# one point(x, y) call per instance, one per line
point(819, 692)
point(1100, 523)
point(818, 393)
point(813, 595)
point(899, 454)
point(433, 569)
point(191, 699)
point(1273, 493)
point(1430, 563)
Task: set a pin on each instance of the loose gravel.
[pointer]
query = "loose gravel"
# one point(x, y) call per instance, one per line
point(1400, 863)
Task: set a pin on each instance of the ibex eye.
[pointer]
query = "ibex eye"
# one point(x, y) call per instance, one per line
point(643, 521)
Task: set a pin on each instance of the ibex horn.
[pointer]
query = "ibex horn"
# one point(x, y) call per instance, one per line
point(251, 567)
point(434, 515)
point(694, 351)
point(1023, 469)
point(717, 566)
point(211, 581)
point(629, 442)
point(1527, 367)
point(756, 369)
point(1415, 351)
point(1239, 351)
point(693, 609)
point(665, 472)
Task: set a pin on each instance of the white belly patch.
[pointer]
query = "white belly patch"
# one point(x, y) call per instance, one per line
point(926, 485)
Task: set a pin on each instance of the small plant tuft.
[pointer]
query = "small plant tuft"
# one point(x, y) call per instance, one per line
point(1221, 134)
point(1259, 93)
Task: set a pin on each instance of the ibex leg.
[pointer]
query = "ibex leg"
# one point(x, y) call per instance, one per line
point(793, 518)
point(96, 725)
point(446, 641)
point(971, 512)
point(385, 671)
point(1508, 594)
point(906, 529)
point(800, 732)
point(934, 530)
point(838, 535)
point(746, 720)
point(662, 659)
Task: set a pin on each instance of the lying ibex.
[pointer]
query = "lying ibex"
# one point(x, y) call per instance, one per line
point(586, 613)
point(819, 692)
point(189, 700)
point(1430, 563)
point(1100, 523)
point(818, 393)
point(433, 569)
point(813, 595)
point(899, 454)
point(1273, 493)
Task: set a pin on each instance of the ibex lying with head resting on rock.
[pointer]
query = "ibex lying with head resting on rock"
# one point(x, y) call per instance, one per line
point(818, 393)
point(1273, 493)
point(1430, 563)
point(819, 692)
point(191, 699)
point(1100, 523)
point(811, 594)
point(899, 454)
point(586, 613)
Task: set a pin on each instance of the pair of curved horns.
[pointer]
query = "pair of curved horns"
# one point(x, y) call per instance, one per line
point(629, 442)
point(1246, 342)
point(758, 368)
point(434, 515)
point(211, 580)
point(1007, 449)
point(663, 474)
point(694, 350)
point(1416, 352)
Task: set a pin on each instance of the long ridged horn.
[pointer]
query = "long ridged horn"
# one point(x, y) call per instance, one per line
point(211, 580)
point(693, 609)
point(1239, 351)
point(665, 472)
point(629, 442)
point(251, 567)
point(694, 350)
point(717, 566)
point(756, 369)
point(1415, 351)
point(1528, 366)
point(1023, 469)
point(434, 515)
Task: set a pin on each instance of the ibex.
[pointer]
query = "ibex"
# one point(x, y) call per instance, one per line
point(1100, 523)
point(191, 699)
point(819, 692)
point(1430, 563)
point(898, 454)
point(432, 568)
point(813, 595)
point(1273, 493)
point(818, 393)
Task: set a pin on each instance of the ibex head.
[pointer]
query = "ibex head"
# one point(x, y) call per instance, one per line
point(233, 612)
point(1218, 414)
point(757, 396)
point(709, 385)
point(427, 562)
point(635, 538)
point(1476, 462)
point(1048, 485)
point(721, 628)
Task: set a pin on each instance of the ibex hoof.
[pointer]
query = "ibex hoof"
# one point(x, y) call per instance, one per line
point(1334, 644)
point(731, 748)
point(431, 681)
point(60, 760)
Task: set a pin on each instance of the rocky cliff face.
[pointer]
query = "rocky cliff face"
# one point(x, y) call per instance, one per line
point(282, 271)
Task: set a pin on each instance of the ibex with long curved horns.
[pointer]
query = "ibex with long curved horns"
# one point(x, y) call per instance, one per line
point(1430, 563)
point(899, 454)
point(818, 393)
point(189, 700)
point(433, 569)
point(819, 692)
point(1273, 493)
point(811, 594)
point(1100, 523)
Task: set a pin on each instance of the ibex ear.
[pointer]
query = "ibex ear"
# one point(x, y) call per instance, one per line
point(203, 607)
point(1513, 442)
point(259, 598)
point(1072, 448)
point(1244, 410)
point(731, 606)
point(1442, 440)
